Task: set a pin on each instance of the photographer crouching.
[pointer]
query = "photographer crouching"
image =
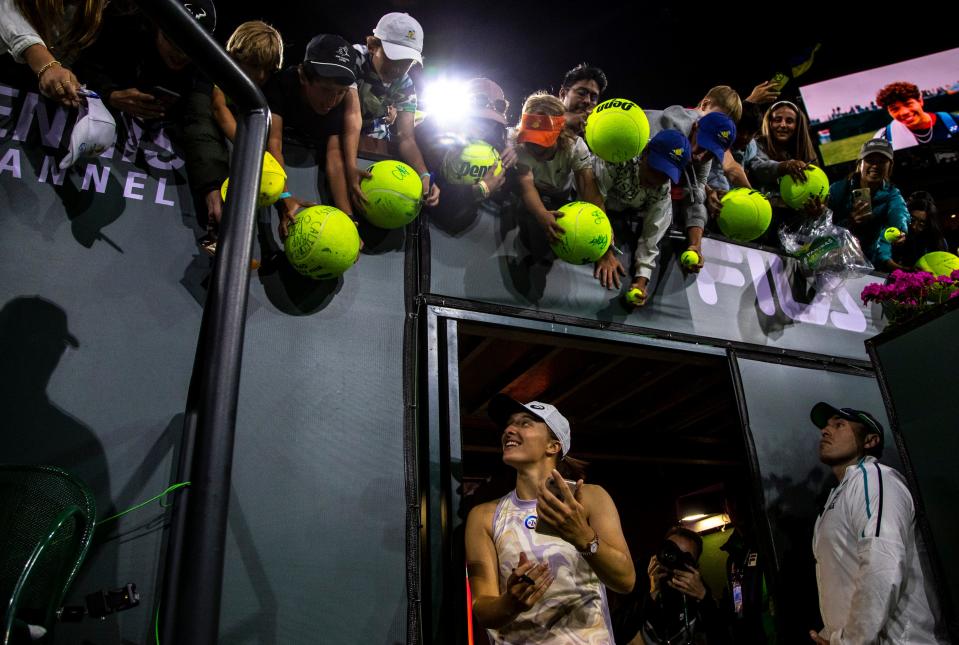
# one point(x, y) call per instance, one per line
point(679, 609)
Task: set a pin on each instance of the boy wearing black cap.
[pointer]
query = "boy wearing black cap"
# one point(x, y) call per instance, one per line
point(307, 101)
point(871, 584)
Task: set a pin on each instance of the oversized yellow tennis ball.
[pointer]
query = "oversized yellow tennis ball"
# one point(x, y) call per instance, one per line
point(745, 214)
point(323, 243)
point(272, 181)
point(796, 194)
point(617, 130)
point(938, 263)
point(891, 234)
point(587, 233)
point(468, 164)
point(394, 194)
point(689, 258)
point(635, 295)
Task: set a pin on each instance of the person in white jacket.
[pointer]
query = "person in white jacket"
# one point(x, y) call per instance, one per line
point(871, 584)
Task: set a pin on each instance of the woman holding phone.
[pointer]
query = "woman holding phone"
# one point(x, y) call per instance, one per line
point(540, 558)
point(867, 203)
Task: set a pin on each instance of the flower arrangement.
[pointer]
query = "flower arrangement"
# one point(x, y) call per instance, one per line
point(907, 294)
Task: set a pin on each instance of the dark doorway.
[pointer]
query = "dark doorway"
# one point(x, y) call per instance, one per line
point(660, 428)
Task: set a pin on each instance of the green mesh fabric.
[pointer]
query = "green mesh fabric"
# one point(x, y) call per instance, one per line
point(31, 500)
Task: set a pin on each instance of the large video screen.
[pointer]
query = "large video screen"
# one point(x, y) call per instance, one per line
point(911, 103)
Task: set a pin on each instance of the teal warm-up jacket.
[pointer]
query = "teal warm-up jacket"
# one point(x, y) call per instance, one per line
point(888, 209)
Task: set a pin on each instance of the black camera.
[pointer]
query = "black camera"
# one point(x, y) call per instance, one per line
point(672, 557)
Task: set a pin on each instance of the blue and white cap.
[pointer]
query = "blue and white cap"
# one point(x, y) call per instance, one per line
point(502, 406)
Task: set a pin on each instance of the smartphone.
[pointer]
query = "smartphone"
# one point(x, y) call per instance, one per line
point(163, 95)
point(862, 195)
point(779, 80)
point(545, 528)
point(553, 487)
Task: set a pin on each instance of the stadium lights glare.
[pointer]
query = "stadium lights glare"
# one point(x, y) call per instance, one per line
point(446, 100)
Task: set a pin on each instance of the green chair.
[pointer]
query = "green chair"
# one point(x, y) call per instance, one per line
point(47, 519)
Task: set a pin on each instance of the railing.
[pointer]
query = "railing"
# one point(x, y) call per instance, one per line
point(193, 573)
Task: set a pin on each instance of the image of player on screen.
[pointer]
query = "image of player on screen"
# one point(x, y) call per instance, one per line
point(911, 125)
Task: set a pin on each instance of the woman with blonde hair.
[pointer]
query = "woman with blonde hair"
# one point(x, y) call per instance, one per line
point(46, 34)
point(552, 162)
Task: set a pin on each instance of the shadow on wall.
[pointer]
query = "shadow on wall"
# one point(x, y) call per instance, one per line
point(33, 338)
point(288, 290)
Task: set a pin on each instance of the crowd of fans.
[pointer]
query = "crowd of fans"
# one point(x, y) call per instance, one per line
point(341, 92)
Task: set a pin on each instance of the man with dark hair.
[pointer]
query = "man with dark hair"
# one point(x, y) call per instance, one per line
point(582, 86)
point(911, 124)
point(871, 584)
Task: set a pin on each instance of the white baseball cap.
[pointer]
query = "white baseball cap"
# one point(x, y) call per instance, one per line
point(94, 132)
point(502, 406)
point(402, 36)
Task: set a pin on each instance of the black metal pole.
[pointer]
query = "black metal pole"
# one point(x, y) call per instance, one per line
point(195, 550)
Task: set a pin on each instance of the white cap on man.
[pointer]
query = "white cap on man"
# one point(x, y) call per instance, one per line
point(501, 407)
point(401, 35)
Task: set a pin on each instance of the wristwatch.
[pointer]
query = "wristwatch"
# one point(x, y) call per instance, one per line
point(591, 547)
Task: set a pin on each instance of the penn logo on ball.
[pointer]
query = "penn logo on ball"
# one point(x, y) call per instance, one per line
point(323, 242)
point(587, 233)
point(617, 130)
point(467, 165)
point(394, 194)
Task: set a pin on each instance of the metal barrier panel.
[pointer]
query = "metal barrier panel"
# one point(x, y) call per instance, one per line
point(744, 294)
point(101, 289)
point(100, 304)
point(794, 483)
point(316, 550)
point(917, 367)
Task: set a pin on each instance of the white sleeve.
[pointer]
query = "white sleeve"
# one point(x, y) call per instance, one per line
point(581, 157)
point(16, 33)
point(657, 216)
point(880, 508)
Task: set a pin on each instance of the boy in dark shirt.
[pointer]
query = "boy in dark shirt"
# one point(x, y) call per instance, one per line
point(307, 102)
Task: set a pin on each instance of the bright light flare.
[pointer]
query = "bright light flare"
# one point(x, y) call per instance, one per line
point(446, 100)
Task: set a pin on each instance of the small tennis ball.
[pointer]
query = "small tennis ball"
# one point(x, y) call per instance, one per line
point(272, 181)
point(393, 194)
point(891, 234)
point(938, 263)
point(634, 296)
point(745, 214)
point(689, 258)
point(796, 194)
point(617, 130)
point(467, 165)
point(587, 233)
point(323, 243)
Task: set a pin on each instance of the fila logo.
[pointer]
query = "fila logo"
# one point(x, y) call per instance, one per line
point(735, 266)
